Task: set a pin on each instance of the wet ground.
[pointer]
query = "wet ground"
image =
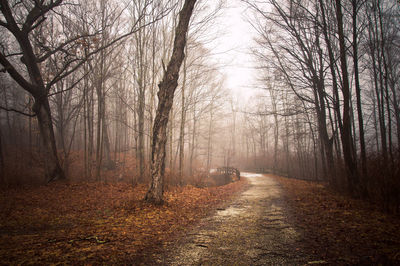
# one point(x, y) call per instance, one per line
point(254, 229)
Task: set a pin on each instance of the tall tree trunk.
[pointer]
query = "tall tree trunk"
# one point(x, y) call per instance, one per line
point(375, 125)
point(286, 144)
point(377, 104)
point(321, 113)
point(99, 142)
point(378, 73)
point(2, 179)
point(209, 140)
point(141, 99)
point(183, 120)
point(30, 135)
point(347, 143)
point(385, 90)
point(193, 146)
point(332, 64)
point(165, 94)
point(90, 127)
point(109, 163)
point(358, 89)
point(276, 129)
point(314, 139)
point(85, 134)
point(170, 141)
point(396, 108)
point(153, 82)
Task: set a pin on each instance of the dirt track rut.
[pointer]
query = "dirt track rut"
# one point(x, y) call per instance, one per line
point(254, 229)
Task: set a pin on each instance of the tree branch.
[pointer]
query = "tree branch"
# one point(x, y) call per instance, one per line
point(16, 75)
point(37, 11)
point(70, 87)
point(16, 111)
point(11, 24)
point(61, 46)
point(4, 24)
point(60, 76)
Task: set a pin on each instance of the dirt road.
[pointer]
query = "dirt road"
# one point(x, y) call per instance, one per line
point(254, 230)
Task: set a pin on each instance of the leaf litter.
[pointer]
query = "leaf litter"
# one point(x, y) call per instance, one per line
point(92, 222)
point(342, 230)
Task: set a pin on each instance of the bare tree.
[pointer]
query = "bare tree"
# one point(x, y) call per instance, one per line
point(166, 96)
point(21, 28)
point(347, 143)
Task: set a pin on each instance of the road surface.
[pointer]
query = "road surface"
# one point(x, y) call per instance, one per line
point(254, 229)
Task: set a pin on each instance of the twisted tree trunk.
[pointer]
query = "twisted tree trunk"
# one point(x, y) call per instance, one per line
point(165, 95)
point(35, 84)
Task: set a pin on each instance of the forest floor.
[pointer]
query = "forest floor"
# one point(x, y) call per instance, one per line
point(339, 229)
point(95, 223)
point(260, 220)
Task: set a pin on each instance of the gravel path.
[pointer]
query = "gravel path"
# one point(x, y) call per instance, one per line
point(253, 230)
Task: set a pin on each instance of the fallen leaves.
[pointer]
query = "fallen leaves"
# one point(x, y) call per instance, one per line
point(97, 222)
point(342, 230)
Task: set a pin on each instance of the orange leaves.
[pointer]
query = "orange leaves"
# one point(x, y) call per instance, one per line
point(97, 222)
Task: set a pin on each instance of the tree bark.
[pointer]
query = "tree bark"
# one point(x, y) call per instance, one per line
point(165, 94)
point(2, 179)
point(209, 140)
point(52, 165)
point(358, 89)
point(376, 57)
point(351, 166)
point(385, 75)
point(193, 146)
point(141, 101)
point(183, 121)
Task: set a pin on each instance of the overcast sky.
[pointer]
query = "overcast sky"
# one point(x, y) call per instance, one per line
point(233, 49)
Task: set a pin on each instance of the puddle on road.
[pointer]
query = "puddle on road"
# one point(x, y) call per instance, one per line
point(252, 231)
point(232, 211)
point(250, 175)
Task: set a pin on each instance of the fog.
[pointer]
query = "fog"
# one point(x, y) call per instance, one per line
point(272, 87)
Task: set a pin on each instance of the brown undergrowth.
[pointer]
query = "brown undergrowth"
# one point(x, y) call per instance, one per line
point(342, 230)
point(91, 223)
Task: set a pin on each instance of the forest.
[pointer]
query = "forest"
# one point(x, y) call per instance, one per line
point(100, 63)
point(330, 71)
point(326, 103)
point(132, 96)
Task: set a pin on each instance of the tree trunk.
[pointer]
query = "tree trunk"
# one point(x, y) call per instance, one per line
point(109, 163)
point(52, 166)
point(276, 129)
point(358, 90)
point(193, 147)
point(99, 142)
point(35, 86)
point(183, 120)
point(209, 140)
point(171, 138)
point(321, 113)
point(396, 108)
point(351, 166)
point(2, 179)
point(378, 81)
point(165, 94)
point(332, 64)
point(141, 111)
point(385, 90)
